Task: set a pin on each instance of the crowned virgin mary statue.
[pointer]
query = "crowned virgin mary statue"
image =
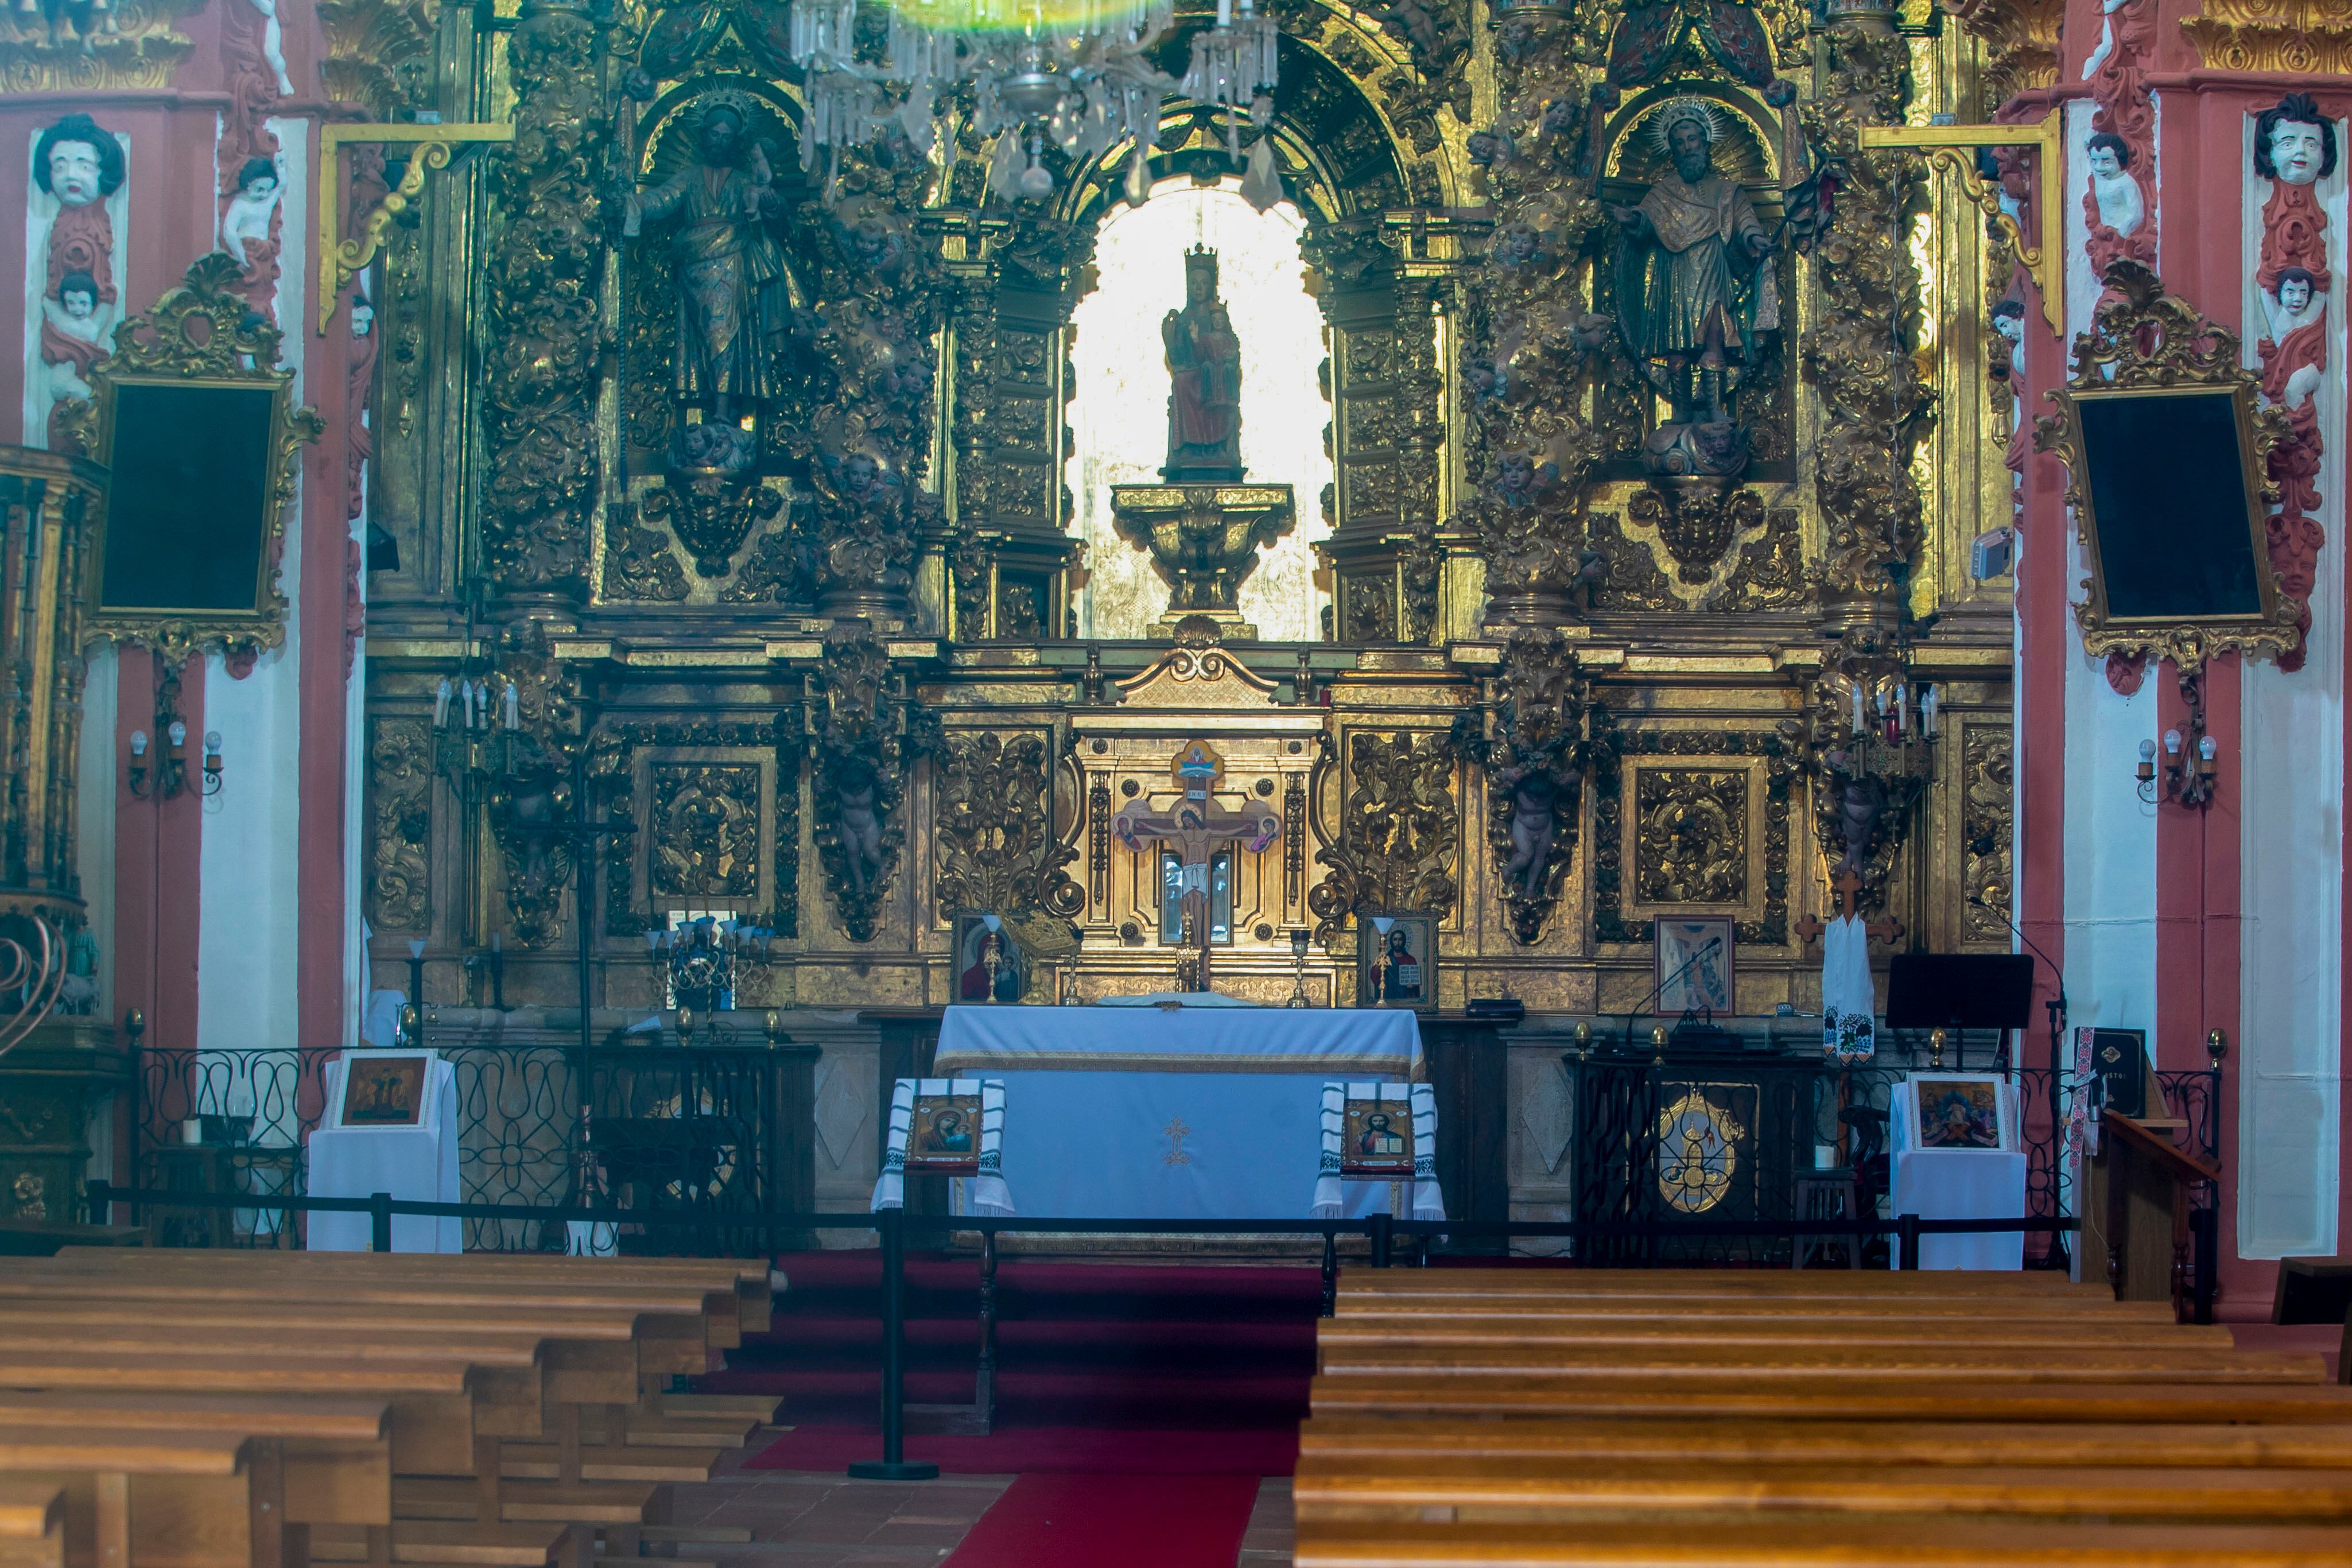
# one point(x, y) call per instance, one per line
point(1204, 369)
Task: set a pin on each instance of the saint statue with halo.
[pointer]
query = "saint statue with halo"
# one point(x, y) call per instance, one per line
point(1695, 284)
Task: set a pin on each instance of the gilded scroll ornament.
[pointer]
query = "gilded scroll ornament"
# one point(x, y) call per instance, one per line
point(994, 826)
point(868, 731)
point(2301, 38)
point(711, 508)
point(1873, 410)
point(610, 760)
point(1690, 836)
point(400, 822)
point(705, 831)
point(545, 264)
point(1613, 745)
point(1772, 573)
point(638, 561)
point(1698, 518)
point(1529, 735)
point(1399, 831)
point(1987, 800)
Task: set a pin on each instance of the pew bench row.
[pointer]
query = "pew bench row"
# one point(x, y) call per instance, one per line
point(1746, 1419)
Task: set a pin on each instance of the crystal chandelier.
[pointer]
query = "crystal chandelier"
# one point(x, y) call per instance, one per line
point(1076, 74)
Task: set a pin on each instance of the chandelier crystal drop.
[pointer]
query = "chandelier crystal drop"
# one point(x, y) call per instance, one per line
point(1074, 75)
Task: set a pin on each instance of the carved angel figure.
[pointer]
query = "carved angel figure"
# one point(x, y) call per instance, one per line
point(1532, 826)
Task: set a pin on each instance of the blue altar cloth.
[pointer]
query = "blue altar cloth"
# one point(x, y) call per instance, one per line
point(1200, 1113)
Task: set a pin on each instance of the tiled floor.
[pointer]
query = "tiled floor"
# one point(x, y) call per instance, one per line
point(801, 1519)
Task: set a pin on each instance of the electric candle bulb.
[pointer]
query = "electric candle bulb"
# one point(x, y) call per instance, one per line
point(211, 742)
point(2147, 751)
point(2206, 748)
point(179, 733)
point(1857, 709)
point(1929, 703)
point(441, 705)
point(513, 706)
point(2172, 743)
point(138, 743)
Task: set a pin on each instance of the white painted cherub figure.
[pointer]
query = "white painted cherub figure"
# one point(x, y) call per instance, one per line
point(2296, 304)
point(247, 218)
point(273, 45)
point(74, 314)
point(2121, 207)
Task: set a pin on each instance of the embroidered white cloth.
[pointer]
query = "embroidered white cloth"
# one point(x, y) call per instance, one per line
point(988, 1193)
point(1428, 1199)
point(1195, 1113)
point(1849, 1025)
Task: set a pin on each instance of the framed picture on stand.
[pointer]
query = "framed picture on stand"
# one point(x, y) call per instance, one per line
point(1693, 964)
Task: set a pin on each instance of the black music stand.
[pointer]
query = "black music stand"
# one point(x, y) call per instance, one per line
point(1959, 991)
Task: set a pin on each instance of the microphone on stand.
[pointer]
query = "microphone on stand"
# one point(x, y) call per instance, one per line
point(2057, 1011)
point(1706, 950)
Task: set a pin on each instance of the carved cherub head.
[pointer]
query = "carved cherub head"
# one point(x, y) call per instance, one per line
point(2295, 287)
point(77, 295)
point(78, 163)
point(2108, 155)
point(2294, 144)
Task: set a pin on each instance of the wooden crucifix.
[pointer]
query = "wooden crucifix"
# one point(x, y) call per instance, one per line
point(1194, 826)
point(1846, 888)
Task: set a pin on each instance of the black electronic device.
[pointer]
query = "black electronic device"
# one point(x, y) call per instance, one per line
point(1959, 991)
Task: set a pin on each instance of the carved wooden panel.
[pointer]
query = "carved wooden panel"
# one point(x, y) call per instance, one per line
point(706, 831)
point(399, 815)
point(1690, 836)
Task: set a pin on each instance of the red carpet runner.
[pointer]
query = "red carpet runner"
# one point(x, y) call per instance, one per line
point(1091, 1521)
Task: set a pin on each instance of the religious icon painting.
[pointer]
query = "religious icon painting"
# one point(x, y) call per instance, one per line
point(989, 966)
point(944, 1136)
point(1961, 1110)
point(1693, 971)
point(1396, 960)
point(1376, 1137)
point(384, 1090)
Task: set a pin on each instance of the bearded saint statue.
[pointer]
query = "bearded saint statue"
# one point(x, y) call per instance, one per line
point(728, 270)
point(1204, 394)
point(1695, 285)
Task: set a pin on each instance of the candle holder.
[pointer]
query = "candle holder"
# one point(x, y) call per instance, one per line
point(1298, 998)
point(703, 958)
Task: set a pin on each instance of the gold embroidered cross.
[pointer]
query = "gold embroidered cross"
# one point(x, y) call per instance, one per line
point(1176, 1133)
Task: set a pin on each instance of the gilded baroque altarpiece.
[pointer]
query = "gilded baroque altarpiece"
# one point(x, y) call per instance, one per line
point(794, 613)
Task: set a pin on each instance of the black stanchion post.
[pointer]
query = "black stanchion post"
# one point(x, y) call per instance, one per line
point(1330, 1272)
point(1383, 1238)
point(893, 1465)
point(2205, 1258)
point(378, 1222)
point(1906, 1229)
point(102, 1202)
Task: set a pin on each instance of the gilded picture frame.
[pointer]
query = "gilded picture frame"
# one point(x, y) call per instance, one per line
point(1396, 959)
point(199, 337)
point(2148, 345)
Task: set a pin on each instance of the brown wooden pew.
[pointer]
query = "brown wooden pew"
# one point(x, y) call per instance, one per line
point(32, 1525)
point(1660, 1541)
point(1607, 1417)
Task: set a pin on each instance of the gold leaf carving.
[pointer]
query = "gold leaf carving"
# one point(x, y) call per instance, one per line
point(1986, 803)
point(1690, 841)
point(706, 831)
point(1399, 830)
point(997, 848)
point(400, 793)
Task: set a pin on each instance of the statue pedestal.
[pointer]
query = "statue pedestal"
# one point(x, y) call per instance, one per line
point(1203, 540)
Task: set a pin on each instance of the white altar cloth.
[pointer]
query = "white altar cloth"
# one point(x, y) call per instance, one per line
point(416, 1164)
point(1206, 1114)
point(1958, 1184)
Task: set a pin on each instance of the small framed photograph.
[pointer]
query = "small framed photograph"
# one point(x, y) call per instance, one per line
point(989, 966)
point(1693, 963)
point(944, 1136)
point(1396, 960)
point(384, 1089)
point(1378, 1138)
point(1960, 1111)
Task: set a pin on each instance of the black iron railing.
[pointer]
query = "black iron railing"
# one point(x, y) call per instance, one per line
point(693, 1129)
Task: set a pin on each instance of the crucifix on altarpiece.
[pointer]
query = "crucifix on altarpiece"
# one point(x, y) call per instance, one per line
point(1195, 827)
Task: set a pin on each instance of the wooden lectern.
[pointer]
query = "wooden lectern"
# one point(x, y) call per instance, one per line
point(2140, 1191)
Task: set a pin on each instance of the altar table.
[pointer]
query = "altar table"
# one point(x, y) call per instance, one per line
point(1197, 1113)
